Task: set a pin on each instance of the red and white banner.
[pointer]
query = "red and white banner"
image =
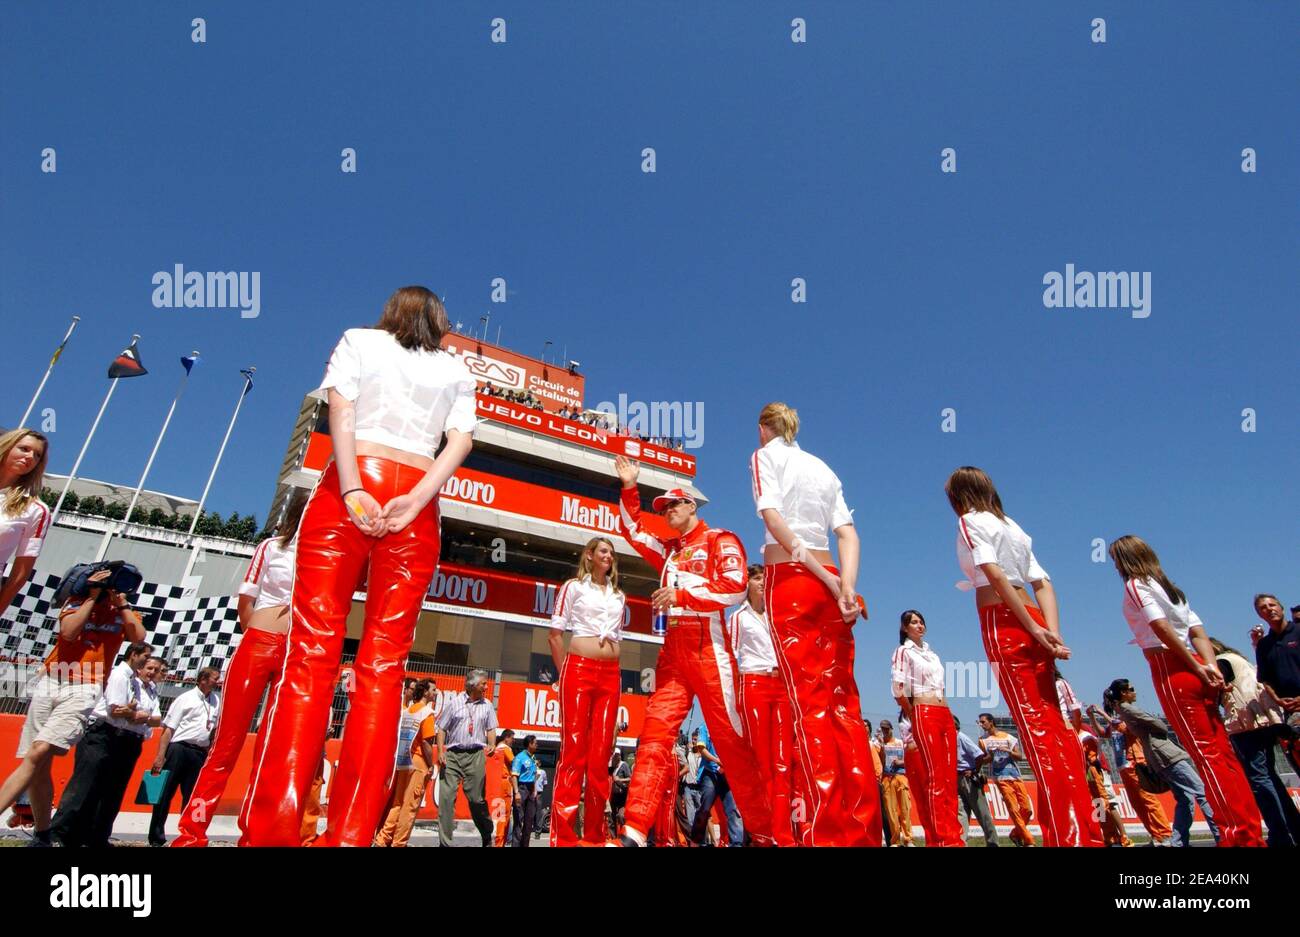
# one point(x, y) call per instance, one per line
point(535, 708)
point(482, 593)
point(555, 386)
point(547, 424)
point(578, 433)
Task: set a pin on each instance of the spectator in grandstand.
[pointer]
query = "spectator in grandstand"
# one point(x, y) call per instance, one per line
point(106, 755)
point(186, 736)
point(1187, 682)
point(1165, 758)
point(970, 787)
point(1254, 721)
point(467, 725)
point(91, 629)
point(24, 518)
point(1144, 802)
point(263, 611)
point(898, 799)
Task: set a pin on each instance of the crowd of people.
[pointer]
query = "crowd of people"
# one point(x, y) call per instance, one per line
point(766, 651)
point(598, 419)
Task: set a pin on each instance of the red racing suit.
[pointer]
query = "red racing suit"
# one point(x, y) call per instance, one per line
point(707, 568)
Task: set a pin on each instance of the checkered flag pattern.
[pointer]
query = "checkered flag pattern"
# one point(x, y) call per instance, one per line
point(188, 633)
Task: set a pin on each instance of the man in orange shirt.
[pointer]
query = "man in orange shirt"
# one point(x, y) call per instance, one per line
point(415, 760)
point(501, 792)
point(92, 628)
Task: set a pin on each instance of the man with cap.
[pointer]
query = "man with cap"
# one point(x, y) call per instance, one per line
point(701, 575)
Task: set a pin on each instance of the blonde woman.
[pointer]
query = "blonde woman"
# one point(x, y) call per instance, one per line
point(811, 607)
point(24, 519)
point(1188, 684)
point(590, 606)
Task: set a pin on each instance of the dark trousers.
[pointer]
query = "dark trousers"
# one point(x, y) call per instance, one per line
point(183, 764)
point(525, 813)
point(105, 759)
point(714, 787)
point(971, 794)
point(1255, 750)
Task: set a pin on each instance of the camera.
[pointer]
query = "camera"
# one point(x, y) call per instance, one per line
point(123, 577)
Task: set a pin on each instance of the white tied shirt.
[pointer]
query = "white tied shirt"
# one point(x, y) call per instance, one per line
point(802, 488)
point(270, 574)
point(405, 399)
point(22, 534)
point(123, 686)
point(982, 537)
point(751, 640)
point(916, 670)
point(1145, 601)
point(589, 610)
point(192, 717)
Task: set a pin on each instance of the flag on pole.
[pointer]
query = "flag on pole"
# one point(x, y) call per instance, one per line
point(127, 364)
point(58, 351)
point(248, 374)
point(189, 361)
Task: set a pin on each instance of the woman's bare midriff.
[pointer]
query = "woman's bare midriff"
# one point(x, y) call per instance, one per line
point(929, 701)
point(987, 595)
point(774, 553)
point(365, 447)
point(591, 647)
point(274, 619)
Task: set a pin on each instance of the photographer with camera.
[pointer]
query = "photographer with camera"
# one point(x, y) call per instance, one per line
point(93, 623)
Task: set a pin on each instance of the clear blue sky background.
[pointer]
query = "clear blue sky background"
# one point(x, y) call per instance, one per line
point(775, 160)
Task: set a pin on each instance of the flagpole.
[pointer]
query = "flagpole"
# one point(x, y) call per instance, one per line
point(86, 445)
point(148, 465)
point(248, 383)
point(54, 360)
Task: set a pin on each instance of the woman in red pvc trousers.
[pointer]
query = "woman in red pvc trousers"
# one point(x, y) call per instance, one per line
point(1188, 683)
point(264, 617)
point(590, 606)
point(916, 676)
point(394, 395)
point(1023, 642)
point(811, 607)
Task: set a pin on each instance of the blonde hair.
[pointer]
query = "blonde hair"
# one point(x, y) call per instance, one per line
point(27, 487)
point(584, 561)
point(1134, 559)
point(780, 419)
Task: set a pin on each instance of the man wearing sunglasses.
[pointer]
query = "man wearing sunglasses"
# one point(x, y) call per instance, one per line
point(701, 575)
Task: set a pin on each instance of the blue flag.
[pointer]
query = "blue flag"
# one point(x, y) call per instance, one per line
point(189, 361)
point(248, 374)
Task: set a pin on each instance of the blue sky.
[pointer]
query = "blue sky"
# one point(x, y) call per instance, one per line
point(775, 160)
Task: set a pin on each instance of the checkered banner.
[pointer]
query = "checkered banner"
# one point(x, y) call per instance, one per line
point(189, 633)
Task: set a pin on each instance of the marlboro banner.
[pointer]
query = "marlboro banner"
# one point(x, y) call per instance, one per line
point(534, 709)
point(579, 433)
point(482, 593)
point(553, 385)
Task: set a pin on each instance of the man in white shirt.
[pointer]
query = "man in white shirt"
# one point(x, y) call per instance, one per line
point(187, 733)
point(106, 755)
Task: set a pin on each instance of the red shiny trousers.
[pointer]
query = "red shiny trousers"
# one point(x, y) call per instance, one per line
point(834, 777)
point(769, 728)
point(1026, 675)
point(332, 554)
point(934, 782)
point(695, 664)
point(1192, 709)
point(257, 661)
point(589, 707)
